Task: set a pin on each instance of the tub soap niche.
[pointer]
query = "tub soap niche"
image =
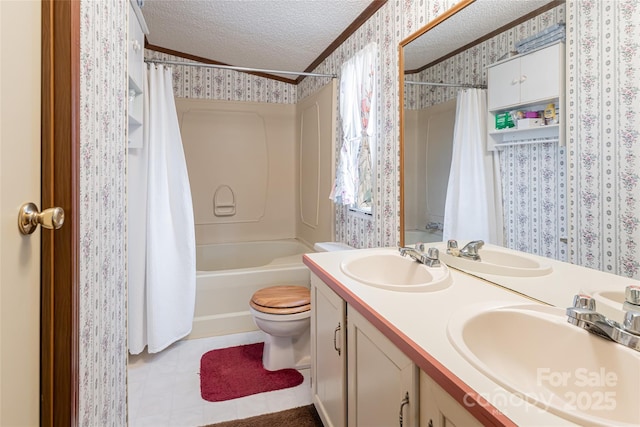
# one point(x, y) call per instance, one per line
point(224, 201)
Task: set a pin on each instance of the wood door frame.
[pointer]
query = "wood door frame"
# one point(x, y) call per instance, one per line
point(60, 272)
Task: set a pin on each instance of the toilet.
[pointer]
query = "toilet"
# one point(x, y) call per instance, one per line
point(283, 313)
point(331, 247)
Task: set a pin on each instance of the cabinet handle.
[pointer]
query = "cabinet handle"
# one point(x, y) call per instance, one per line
point(404, 402)
point(335, 341)
point(523, 78)
point(515, 82)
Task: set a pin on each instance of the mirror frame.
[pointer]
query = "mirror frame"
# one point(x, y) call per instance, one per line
point(433, 23)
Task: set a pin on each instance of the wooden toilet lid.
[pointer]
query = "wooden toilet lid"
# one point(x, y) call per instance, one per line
point(286, 299)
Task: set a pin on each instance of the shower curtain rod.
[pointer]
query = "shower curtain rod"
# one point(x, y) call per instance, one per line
point(235, 68)
point(446, 84)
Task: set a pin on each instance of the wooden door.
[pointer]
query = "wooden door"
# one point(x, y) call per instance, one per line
point(60, 187)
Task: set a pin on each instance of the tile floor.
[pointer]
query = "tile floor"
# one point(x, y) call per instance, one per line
point(164, 388)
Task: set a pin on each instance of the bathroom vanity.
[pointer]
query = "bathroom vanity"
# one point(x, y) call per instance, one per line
point(458, 349)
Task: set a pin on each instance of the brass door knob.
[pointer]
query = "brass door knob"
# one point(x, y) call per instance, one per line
point(29, 218)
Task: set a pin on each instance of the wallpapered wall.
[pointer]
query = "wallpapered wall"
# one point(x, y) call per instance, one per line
point(227, 85)
point(603, 151)
point(103, 273)
point(533, 176)
point(604, 147)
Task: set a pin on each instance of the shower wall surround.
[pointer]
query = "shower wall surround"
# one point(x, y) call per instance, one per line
point(602, 142)
point(391, 23)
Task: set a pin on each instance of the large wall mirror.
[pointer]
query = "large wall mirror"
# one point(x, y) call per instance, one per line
point(450, 54)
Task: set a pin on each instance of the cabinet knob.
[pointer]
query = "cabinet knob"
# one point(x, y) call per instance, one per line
point(135, 44)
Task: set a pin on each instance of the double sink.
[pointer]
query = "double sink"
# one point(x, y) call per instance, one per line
point(528, 349)
point(390, 270)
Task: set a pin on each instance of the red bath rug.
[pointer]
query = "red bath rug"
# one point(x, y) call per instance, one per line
point(235, 372)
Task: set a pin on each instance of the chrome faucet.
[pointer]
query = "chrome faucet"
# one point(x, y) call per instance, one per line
point(469, 251)
point(584, 315)
point(430, 258)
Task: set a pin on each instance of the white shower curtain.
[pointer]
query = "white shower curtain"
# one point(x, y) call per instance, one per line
point(473, 207)
point(161, 253)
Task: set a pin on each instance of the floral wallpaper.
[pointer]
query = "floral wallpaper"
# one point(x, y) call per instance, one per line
point(534, 199)
point(602, 163)
point(227, 85)
point(103, 270)
point(604, 147)
point(533, 176)
point(391, 24)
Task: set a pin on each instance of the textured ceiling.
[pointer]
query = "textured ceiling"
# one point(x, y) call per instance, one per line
point(471, 23)
point(283, 35)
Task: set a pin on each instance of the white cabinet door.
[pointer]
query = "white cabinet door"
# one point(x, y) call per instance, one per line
point(439, 409)
point(136, 69)
point(503, 81)
point(526, 79)
point(328, 353)
point(382, 381)
point(136, 50)
point(540, 75)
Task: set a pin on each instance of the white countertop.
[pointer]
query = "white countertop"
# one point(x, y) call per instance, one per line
point(417, 323)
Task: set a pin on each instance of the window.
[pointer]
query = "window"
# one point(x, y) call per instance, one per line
point(354, 177)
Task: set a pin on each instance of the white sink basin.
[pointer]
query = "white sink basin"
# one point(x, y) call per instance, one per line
point(533, 352)
point(611, 296)
point(609, 303)
point(499, 263)
point(390, 270)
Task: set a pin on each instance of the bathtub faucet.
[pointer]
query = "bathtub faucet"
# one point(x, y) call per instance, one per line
point(434, 226)
point(430, 258)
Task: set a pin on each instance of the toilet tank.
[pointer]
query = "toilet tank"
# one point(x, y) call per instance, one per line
point(331, 246)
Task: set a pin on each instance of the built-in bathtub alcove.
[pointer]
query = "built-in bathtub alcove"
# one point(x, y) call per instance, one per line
point(428, 143)
point(260, 177)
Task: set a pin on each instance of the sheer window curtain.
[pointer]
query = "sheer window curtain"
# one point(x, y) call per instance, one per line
point(473, 207)
point(353, 185)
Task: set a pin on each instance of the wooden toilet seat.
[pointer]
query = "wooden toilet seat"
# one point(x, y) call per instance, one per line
point(285, 299)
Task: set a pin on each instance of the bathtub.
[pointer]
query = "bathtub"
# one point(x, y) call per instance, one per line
point(229, 273)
